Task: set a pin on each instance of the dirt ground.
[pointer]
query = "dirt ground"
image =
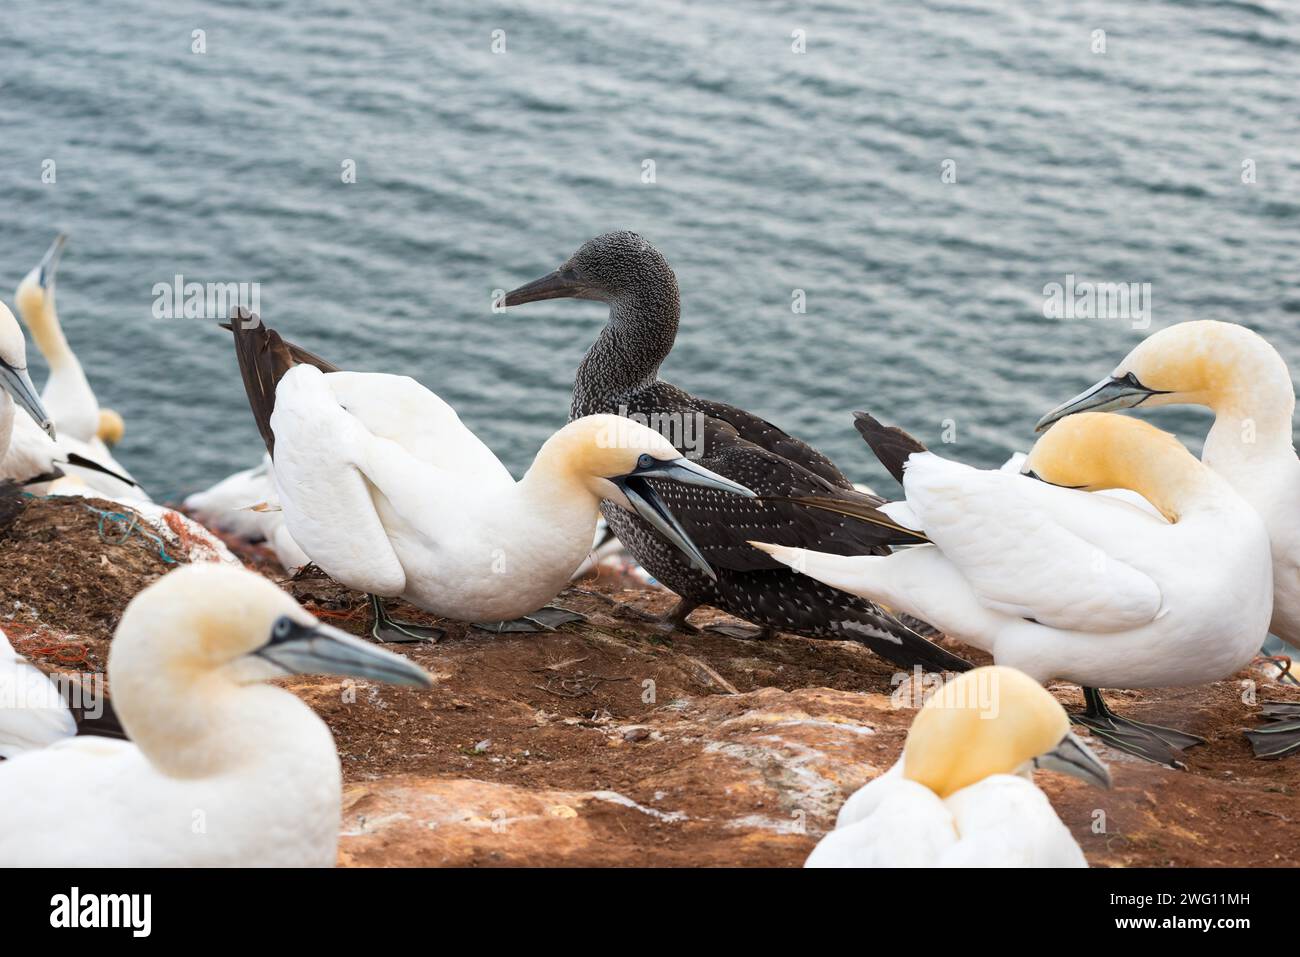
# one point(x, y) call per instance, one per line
point(611, 742)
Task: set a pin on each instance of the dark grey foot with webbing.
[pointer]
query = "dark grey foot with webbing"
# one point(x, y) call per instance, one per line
point(743, 632)
point(388, 630)
point(1280, 737)
point(1151, 742)
point(544, 619)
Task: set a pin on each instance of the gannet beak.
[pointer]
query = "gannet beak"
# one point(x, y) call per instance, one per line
point(561, 284)
point(647, 503)
point(1111, 393)
point(1031, 474)
point(1076, 759)
point(319, 649)
point(49, 263)
point(19, 385)
point(691, 473)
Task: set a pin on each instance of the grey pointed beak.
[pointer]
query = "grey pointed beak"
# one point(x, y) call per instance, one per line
point(692, 473)
point(49, 264)
point(319, 649)
point(561, 284)
point(1111, 393)
point(1076, 759)
point(19, 385)
point(646, 502)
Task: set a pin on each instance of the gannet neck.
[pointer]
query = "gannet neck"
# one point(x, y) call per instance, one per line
point(987, 721)
point(627, 354)
point(1238, 444)
point(1172, 480)
point(1253, 399)
point(1099, 450)
point(1254, 405)
point(555, 477)
point(36, 308)
point(560, 480)
point(199, 725)
point(191, 721)
point(557, 497)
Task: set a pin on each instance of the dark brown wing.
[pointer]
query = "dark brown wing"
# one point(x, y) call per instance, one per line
point(890, 444)
point(862, 511)
point(302, 357)
point(767, 436)
point(722, 525)
point(264, 357)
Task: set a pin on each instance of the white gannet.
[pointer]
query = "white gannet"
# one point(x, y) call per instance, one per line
point(33, 714)
point(962, 794)
point(18, 391)
point(30, 452)
point(1061, 583)
point(67, 394)
point(83, 428)
point(389, 493)
point(34, 458)
point(225, 505)
point(1237, 374)
point(221, 769)
point(245, 504)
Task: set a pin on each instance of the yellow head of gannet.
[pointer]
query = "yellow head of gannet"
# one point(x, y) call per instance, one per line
point(221, 769)
point(189, 644)
point(600, 449)
point(35, 301)
point(1095, 451)
point(988, 721)
point(14, 379)
point(111, 427)
point(1221, 365)
point(611, 457)
point(210, 625)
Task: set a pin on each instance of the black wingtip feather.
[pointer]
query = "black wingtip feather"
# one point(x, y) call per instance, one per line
point(890, 444)
point(81, 462)
point(264, 357)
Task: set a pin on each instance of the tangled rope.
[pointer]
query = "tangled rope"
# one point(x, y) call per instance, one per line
point(132, 526)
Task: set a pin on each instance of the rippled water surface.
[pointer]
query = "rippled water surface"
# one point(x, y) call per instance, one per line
point(775, 171)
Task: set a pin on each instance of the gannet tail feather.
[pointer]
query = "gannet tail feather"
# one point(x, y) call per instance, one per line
point(891, 445)
point(264, 357)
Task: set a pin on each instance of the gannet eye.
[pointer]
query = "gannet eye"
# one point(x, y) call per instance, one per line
point(282, 629)
point(645, 461)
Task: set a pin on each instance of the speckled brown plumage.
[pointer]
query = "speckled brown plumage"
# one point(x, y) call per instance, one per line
point(620, 374)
